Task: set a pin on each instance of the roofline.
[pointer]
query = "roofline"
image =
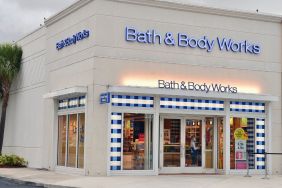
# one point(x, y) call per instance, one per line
point(30, 33)
point(176, 6)
point(70, 9)
point(207, 10)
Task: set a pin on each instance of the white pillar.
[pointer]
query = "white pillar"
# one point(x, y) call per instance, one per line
point(268, 137)
point(156, 129)
point(215, 141)
point(226, 139)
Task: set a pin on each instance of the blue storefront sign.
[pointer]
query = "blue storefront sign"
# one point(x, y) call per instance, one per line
point(184, 40)
point(73, 39)
point(105, 98)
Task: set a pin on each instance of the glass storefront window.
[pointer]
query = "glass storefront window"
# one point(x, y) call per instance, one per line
point(70, 151)
point(62, 140)
point(193, 143)
point(172, 146)
point(72, 131)
point(220, 143)
point(138, 142)
point(209, 142)
point(241, 142)
point(81, 124)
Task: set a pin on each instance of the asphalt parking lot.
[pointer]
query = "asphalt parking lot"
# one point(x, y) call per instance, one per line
point(4, 183)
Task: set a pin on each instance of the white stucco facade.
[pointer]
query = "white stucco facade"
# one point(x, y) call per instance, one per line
point(105, 62)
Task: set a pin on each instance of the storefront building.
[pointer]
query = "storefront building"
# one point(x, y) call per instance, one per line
point(149, 87)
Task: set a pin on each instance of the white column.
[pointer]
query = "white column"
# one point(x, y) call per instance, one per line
point(156, 129)
point(109, 116)
point(215, 145)
point(226, 139)
point(268, 137)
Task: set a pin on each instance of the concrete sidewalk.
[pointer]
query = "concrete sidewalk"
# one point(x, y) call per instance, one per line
point(53, 179)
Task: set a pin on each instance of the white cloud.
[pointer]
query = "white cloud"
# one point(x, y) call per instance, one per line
point(18, 17)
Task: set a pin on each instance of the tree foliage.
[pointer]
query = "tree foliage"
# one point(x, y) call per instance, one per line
point(10, 64)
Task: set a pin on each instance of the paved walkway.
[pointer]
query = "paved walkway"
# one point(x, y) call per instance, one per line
point(52, 179)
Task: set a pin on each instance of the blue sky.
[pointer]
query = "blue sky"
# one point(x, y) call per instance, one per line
point(19, 17)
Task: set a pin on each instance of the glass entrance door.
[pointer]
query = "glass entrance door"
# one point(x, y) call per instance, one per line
point(193, 142)
point(181, 145)
point(188, 145)
point(172, 143)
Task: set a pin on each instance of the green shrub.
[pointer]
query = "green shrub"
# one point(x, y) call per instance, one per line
point(12, 161)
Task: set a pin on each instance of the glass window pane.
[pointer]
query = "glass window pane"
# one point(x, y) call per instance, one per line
point(72, 131)
point(193, 142)
point(209, 142)
point(171, 142)
point(220, 143)
point(138, 142)
point(81, 140)
point(62, 122)
point(241, 139)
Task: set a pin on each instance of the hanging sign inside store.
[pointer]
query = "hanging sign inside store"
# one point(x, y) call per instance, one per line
point(192, 86)
point(105, 98)
point(241, 138)
point(188, 41)
point(240, 134)
point(73, 39)
point(240, 149)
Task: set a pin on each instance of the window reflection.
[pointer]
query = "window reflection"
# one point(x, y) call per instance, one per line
point(137, 142)
point(62, 140)
point(70, 151)
point(209, 142)
point(172, 139)
point(81, 140)
point(241, 140)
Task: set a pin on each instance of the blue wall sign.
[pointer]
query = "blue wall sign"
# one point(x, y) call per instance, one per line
point(187, 41)
point(73, 39)
point(105, 98)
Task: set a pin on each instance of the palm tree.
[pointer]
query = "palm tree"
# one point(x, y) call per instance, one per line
point(10, 63)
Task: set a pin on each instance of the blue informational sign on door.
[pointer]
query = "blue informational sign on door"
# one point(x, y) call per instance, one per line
point(105, 98)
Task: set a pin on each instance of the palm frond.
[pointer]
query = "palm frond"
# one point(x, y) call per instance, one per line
point(10, 62)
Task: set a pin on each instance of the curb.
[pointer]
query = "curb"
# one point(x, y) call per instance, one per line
point(31, 183)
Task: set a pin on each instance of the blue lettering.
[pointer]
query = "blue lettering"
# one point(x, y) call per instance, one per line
point(202, 43)
point(210, 45)
point(225, 43)
point(86, 33)
point(58, 46)
point(235, 47)
point(142, 38)
point(248, 48)
point(73, 39)
point(149, 35)
point(80, 36)
point(193, 43)
point(130, 34)
point(256, 49)
point(156, 37)
point(182, 40)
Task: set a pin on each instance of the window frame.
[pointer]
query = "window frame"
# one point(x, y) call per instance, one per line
point(139, 110)
point(67, 112)
point(152, 126)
